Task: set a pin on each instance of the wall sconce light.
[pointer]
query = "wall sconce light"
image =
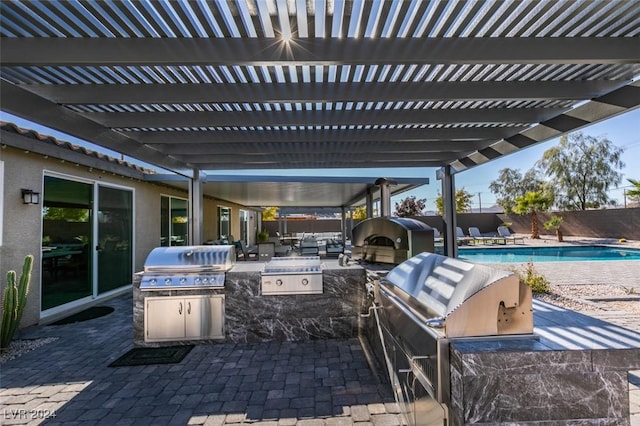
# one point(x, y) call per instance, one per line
point(30, 197)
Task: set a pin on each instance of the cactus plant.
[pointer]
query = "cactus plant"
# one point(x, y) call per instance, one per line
point(14, 301)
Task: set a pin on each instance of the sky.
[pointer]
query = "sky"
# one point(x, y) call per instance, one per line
point(623, 130)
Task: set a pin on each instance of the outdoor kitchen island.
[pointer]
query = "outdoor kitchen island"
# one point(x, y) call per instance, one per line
point(249, 314)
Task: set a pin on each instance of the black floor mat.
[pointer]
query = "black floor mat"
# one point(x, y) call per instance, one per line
point(87, 314)
point(149, 356)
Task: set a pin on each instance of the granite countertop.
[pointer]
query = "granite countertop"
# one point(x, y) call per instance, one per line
point(256, 266)
point(559, 329)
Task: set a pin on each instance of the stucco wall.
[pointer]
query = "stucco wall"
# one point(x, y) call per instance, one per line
point(22, 226)
point(609, 223)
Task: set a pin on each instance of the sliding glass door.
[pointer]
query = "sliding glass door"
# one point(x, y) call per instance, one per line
point(115, 238)
point(66, 241)
point(87, 239)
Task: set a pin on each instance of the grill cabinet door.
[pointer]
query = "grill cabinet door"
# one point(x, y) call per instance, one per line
point(204, 317)
point(164, 318)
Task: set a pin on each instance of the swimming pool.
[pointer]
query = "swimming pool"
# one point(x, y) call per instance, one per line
point(548, 254)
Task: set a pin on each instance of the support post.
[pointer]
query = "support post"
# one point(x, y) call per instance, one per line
point(385, 195)
point(449, 210)
point(369, 202)
point(195, 208)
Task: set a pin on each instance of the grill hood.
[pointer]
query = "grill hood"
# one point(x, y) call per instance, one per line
point(459, 298)
point(190, 259)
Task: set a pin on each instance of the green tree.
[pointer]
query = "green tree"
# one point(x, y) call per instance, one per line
point(410, 207)
point(582, 169)
point(634, 193)
point(360, 213)
point(67, 214)
point(463, 201)
point(511, 184)
point(269, 213)
point(531, 203)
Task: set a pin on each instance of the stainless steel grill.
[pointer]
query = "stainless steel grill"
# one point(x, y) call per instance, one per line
point(390, 239)
point(187, 267)
point(292, 275)
point(428, 301)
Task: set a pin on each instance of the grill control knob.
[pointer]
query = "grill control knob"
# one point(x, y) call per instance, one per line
point(278, 282)
point(305, 281)
point(167, 281)
point(183, 281)
point(196, 280)
point(205, 280)
point(153, 281)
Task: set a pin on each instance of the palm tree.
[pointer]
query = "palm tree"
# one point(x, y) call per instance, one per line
point(532, 202)
point(634, 193)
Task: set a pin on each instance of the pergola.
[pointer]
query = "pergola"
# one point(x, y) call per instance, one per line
point(195, 86)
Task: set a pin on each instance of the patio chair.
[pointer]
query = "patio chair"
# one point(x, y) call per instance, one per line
point(474, 233)
point(334, 247)
point(246, 253)
point(437, 237)
point(279, 248)
point(504, 232)
point(309, 246)
point(461, 238)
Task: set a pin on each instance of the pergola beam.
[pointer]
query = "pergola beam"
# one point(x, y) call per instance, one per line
point(24, 104)
point(320, 118)
point(270, 165)
point(356, 135)
point(76, 51)
point(211, 93)
point(410, 147)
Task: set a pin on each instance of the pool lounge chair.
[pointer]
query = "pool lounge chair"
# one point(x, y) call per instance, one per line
point(504, 232)
point(461, 238)
point(474, 233)
point(437, 237)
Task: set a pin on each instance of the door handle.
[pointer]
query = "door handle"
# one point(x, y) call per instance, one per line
point(180, 309)
point(189, 308)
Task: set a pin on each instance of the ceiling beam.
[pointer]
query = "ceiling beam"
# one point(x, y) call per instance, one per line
point(320, 165)
point(321, 147)
point(77, 51)
point(356, 135)
point(190, 93)
point(34, 108)
point(327, 157)
point(320, 118)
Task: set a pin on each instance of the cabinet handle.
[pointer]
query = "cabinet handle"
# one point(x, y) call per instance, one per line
point(180, 310)
point(189, 308)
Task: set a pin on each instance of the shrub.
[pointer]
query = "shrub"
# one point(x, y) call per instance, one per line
point(535, 280)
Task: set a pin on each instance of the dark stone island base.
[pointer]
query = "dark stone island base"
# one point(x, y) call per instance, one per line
point(251, 317)
point(572, 371)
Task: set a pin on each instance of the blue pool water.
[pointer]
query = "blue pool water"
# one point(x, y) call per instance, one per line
point(547, 254)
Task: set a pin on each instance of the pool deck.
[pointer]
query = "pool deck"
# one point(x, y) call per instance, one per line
point(620, 273)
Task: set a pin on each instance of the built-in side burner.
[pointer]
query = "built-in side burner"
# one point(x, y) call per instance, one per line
point(292, 275)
